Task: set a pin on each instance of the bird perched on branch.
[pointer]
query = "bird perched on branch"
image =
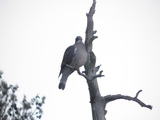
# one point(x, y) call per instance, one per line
point(74, 57)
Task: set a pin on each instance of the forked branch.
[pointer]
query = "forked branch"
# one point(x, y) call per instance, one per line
point(110, 98)
point(94, 77)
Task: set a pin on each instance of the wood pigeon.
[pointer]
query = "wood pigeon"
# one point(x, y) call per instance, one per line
point(74, 57)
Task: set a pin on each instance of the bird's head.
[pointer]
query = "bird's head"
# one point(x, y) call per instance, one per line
point(78, 39)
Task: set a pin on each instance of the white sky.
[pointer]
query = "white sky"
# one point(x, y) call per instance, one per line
point(35, 33)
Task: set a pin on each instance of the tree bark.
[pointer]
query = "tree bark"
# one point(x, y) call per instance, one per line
point(98, 102)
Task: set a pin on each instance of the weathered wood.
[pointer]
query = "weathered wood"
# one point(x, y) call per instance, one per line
point(98, 103)
point(110, 98)
point(96, 100)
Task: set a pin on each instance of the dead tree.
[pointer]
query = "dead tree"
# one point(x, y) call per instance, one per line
point(98, 102)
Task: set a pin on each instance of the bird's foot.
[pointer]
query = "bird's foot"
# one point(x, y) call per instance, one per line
point(94, 77)
point(82, 74)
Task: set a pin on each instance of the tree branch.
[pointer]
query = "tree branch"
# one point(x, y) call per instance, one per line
point(89, 30)
point(98, 102)
point(138, 93)
point(110, 98)
point(98, 75)
point(94, 77)
point(82, 74)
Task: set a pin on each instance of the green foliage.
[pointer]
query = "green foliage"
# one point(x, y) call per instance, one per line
point(10, 109)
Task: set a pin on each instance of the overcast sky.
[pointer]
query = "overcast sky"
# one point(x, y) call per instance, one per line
point(35, 33)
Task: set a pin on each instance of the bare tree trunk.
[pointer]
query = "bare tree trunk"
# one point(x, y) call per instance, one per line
point(98, 102)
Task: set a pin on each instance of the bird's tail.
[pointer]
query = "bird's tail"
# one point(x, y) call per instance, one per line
point(62, 83)
point(64, 78)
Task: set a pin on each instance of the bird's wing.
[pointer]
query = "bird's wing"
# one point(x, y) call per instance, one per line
point(68, 57)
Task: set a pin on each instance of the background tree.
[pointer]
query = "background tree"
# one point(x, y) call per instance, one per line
point(10, 109)
point(98, 102)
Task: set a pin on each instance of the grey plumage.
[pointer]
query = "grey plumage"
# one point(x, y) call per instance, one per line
point(74, 57)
